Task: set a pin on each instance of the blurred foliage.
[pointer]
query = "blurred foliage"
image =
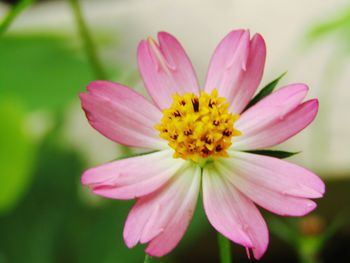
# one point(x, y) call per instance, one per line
point(38, 72)
point(338, 26)
point(41, 70)
point(307, 235)
point(88, 41)
point(17, 153)
point(13, 12)
point(56, 223)
point(53, 225)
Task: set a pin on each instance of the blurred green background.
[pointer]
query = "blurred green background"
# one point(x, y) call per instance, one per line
point(47, 57)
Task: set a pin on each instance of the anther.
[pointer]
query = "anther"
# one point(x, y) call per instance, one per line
point(177, 114)
point(208, 140)
point(191, 147)
point(205, 150)
point(211, 103)
point(174, 137)
point(218, 148)
point(227, 132)
point(188, 132)
point(195, 103)
point(202, 130)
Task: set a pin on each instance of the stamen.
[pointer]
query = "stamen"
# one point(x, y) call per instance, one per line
point(195, 103)
point(177, 114)
point(208, 140)
point(205, 151)
point(216, 122)
point(218, 148)
point(227, 132)
point(198, 127)
point(188, 132)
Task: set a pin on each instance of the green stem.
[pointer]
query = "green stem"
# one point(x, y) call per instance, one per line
point(89, 44)
point(13, 13)
point(148, 259)
point(90, 49)
point(225, 249)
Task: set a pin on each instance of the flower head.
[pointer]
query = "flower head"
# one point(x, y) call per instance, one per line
point(198, 127)
point(199, 139)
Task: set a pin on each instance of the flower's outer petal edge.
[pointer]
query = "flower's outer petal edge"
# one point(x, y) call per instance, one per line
point(236, 68)
point(162, 217)
point(232, 214)
point(122, 115)
point(132, 177)
point(275, 119)
point(165, 69)
point(281, 187)
point(253, 75)
point(228, 64)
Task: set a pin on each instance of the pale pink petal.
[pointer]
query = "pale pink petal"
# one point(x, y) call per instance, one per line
point(229, 64)
point(281, 129)
point(165, 69)
point(233, 214)
point(275, 118)
point(252, 76)
point(132, 177)
point(271, 107)
point(278, 186)
point(162, 217)
point(122, 115)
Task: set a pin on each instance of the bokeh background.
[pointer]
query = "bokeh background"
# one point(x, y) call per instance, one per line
point(47, 57)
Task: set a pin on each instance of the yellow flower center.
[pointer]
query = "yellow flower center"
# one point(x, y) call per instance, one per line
point(198, 127)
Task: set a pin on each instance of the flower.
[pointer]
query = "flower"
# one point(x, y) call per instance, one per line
point(199, 140)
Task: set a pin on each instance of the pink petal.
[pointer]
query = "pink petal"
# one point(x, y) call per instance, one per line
point(278, 186)
point(229, 64)
point(165, 69)
point(275, 105)
point(132, 177)
point(253, 75)
point(275, 119)
point(233, 214)
point(122, 115)
point(282, 129)
point(162, 217)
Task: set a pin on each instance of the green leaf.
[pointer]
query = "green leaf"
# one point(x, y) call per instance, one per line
point(48, 208)
point(274, 153)
point(339, 22)
point(17, 153)
point(41, 70)
point(267, 90)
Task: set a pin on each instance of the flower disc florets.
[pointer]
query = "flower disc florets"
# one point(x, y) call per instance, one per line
point(198, 127)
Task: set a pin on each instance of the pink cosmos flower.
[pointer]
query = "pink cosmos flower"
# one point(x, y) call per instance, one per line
point(199, 140)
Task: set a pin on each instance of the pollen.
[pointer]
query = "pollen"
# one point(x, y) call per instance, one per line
point(198, 128)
